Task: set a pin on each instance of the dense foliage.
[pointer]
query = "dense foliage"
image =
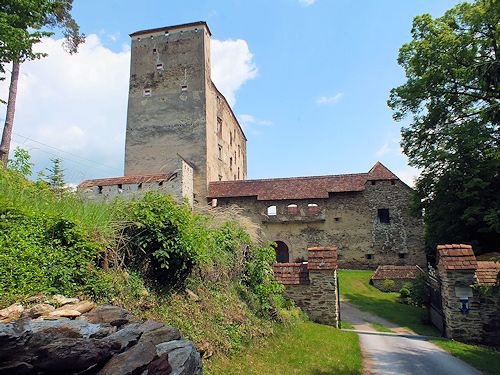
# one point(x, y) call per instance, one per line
point(452, 95)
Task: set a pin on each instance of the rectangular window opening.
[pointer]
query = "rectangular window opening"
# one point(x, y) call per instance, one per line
point(220, 152)
point(146, 93)
point(159, 66)
point(383, 216)
point(99, 189)
point(369, 256)
point(184, 88)
point(402, 255)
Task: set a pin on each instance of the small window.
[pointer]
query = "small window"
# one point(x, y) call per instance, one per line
point(234, 177)
point(120, 188)
point(393, 182)
point(220, 152)
point(139, 187)
point(292, 209)
point(369, 256)
point(337, 219)
point(271, 211)
point(220, 177)
point(374, 182)
point(184, 88)
point(230, 138)
point(166, 33)
point(154, 50)
point(231, 163)
point(402, 255)
point(312, 208)
point(139, 39)
point(219, 126)
point(238, 173)
point(239, 151)
point(146, 93)
point(159, 66)
point(99, 189)
point(383, 216)
point(160, 183)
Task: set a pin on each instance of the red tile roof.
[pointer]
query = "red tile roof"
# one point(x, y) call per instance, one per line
point(487, 272)
point(127, 180)
point(456, 257)
point(395, 272)
point(299, 187)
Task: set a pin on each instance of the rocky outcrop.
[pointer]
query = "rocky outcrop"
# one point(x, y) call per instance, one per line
point(76, 337)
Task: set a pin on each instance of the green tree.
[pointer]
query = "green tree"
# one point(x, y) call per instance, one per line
point(452, 95)
point(23, 23)
point(21, 163)
point(55, 176)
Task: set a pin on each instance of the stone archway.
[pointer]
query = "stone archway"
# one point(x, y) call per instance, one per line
point(282, 252)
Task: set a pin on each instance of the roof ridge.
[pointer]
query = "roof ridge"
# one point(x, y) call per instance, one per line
point(292, 178)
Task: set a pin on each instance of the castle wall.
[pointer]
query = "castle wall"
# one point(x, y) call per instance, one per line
point(347, 220)
point(167, 105)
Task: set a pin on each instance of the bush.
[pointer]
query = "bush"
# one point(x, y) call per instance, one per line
point(389, 285)
point(415, 293)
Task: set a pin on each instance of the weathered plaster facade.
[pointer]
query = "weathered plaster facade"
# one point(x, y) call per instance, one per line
point(174, 108)
point(348, 218)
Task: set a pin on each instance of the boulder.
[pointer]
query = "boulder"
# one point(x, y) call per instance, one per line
point(127, 336)
point(133, 361)
point(65, 313)
point(10, 313)
point(39, 310)
point(13, 339)
point(160, 366)
point(113, 315)
point(18, 368)
point(61, 300)
point(82, 307)
point(182, 356)
point(150, 325)
point(163, 334)
point(71, 355)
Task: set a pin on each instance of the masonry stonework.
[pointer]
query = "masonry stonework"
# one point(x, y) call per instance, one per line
point(313, 285)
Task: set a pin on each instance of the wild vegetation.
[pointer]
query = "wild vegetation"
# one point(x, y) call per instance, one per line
point(210, 277)
point(452, 96)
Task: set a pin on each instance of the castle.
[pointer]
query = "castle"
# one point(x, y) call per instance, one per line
point(184, 139)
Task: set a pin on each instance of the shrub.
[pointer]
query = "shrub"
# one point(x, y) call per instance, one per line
point(389, 285)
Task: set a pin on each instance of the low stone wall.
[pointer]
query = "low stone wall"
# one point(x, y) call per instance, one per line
point(470, 316)
point(313, 284)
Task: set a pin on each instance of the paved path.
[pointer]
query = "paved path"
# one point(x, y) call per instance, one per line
point(393, 355)
point(390, 354)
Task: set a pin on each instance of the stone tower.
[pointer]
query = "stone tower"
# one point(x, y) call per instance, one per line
point(174, 109)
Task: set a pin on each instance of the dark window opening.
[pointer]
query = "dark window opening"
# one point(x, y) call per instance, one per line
point(383, 216)
point(402, 255)
point(393, 182)
point(154, 50)
point(99, 189)
point(220, 152)
point(159, 66)
point(219, 126)
point(220, 177)
point(139, 187)
point(184, 88)
point(238, 173)
point(160, 183)
point(369, 256)
point(147, 93)
point(231, 163)
point(292, 209)
point(337, 219)
point(374, 182)
point(282, 253)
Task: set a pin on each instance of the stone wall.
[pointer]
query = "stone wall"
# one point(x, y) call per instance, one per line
point(313, 285)
point(480, 322)
point(396, 287)
point(349, 220)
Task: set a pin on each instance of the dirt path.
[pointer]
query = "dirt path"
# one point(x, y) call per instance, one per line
point(361, 320)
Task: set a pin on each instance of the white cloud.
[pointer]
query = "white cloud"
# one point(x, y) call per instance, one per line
point(330, 99)
point(75, 106)
point(408, 175)
point(232, 66)
point(250, 124)
point(307, 3)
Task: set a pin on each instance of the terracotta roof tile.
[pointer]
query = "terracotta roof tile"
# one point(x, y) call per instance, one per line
point(395, 272)
point(127, 180)
point(315, 187)
point(487, 272)
point(456, 257)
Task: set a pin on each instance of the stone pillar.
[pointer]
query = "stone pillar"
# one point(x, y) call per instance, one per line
point(456, 269)
point(324, 302)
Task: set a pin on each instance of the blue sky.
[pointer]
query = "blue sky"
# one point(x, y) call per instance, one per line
point(312, 98)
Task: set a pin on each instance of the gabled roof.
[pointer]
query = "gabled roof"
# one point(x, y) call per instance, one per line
point(313, 187)
point(395, 272)
point(127, 180)
point(456, 257)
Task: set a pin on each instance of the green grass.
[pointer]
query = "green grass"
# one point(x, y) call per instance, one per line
point(304, 348)
point(483, 358)
point(355, 287)
point(347, 325)
point(380, 327)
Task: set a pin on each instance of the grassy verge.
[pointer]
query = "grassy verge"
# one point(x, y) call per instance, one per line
point(483, 358)
point(303, 348)
point(380, 327)
point(355, 287)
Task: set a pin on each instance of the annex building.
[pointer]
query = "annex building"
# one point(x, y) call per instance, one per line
point(183, 138)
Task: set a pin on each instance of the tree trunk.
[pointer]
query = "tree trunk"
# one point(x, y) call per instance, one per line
point(9, 117)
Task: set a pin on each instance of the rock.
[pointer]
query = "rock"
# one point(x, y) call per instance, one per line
point(60, 300)
point(49, 317)
point(127, 336)
point(133, 361)
point(113, 315)
point(12, 312)
point(65, 313)
point(39, 310)
point(81, 327)
point(160, 366)
point(182, 356)
point(13, 339)
point(162, 334)
point(105, 330)
point(192, 295)
point(18, 368)
point(71, 355)
point(82, 307)
point(150, 325)
point(37, 298)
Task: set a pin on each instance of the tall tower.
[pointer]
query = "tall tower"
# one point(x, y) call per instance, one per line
point(175, 109)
